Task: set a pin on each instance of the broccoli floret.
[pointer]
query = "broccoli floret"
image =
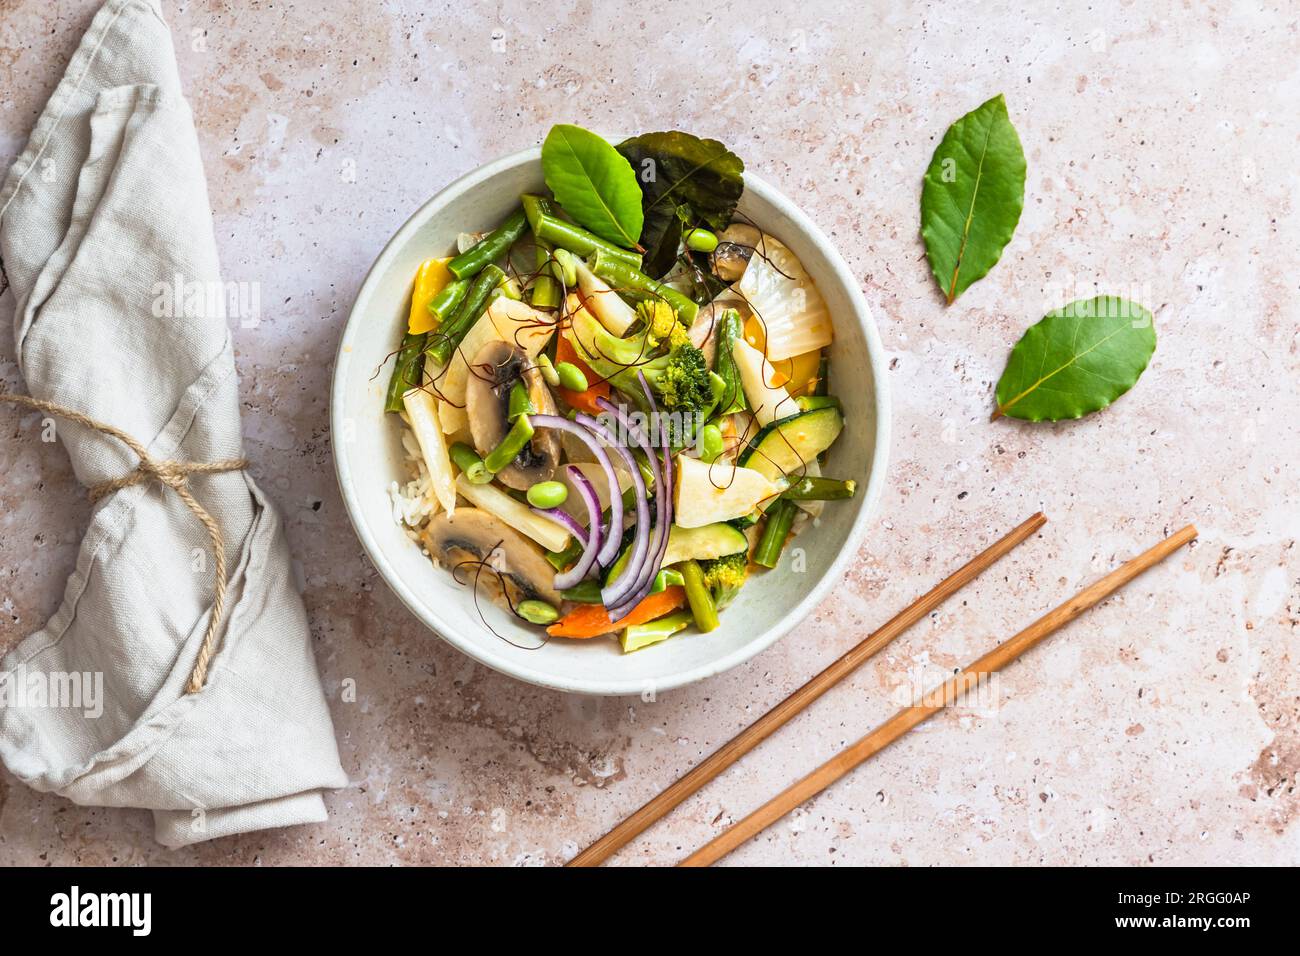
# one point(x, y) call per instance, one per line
point(683, 384)
point(659, 318)
point(725, 576)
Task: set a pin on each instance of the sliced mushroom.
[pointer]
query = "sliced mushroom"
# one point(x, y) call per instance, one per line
point(512, 560)
point(493, 372)
point(735, 247)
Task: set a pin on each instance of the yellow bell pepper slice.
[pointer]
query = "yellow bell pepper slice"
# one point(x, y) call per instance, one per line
point(798, 373)
point(429, 280)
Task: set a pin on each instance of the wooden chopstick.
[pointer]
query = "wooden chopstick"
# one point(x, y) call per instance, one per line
point(761, 729)
point(909, 717)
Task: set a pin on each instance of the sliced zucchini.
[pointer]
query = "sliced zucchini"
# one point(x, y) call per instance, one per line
point(786, 446)
point(709, 541)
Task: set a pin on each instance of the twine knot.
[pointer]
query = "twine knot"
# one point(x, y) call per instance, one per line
point(175, 475)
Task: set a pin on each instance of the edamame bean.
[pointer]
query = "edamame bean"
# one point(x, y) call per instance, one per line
point(571, 377)
point(710, 443)
point(537, 612)
point(700, 240)
point(549, 375)
point(547, 494)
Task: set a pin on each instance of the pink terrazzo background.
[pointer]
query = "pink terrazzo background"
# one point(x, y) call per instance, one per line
point(1162, 728)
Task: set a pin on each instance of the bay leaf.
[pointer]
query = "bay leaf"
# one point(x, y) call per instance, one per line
point(1076, 360)
point(594, 183)
point(972, 197)
point(685, 181)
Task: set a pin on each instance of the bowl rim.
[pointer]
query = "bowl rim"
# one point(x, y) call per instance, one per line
point(615, 687)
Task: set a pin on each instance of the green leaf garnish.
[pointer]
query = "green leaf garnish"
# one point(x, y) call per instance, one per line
point(972, 197)
point(594, 184)
point(1076, 360)
point(684, 180)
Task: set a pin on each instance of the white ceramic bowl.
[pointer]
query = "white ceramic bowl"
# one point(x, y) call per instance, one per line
point(368, 456)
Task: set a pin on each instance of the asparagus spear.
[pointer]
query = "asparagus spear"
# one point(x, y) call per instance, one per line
point(408, 372)
point(549, 227)
point(444, 340)
point(779, 518)
point(821, 489)
point(447, 299)
point(626, 278)
point(699, 596)
point(546, 294)
point(724, 364)
point(490, 248)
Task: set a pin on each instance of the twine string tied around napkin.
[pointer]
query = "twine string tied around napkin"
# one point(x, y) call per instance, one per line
point(175, 475)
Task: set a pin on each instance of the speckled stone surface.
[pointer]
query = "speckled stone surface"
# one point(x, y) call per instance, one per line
point(1162, 728)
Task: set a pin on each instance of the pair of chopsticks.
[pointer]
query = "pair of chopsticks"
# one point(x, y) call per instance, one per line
point(893, 728)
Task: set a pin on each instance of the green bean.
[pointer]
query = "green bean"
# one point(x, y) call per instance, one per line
point(563, 560)
point(620, 563)
point(565, 268)
point(537, 612)
point(699, 597)
point(468, 461)
point(510, 289)
point(519, 403)
point(571, 377)
point(822, 390)
point(821, 489)
point(626, 278)
point(446, 300)
point(547, 494)
point(808, 403)
point(724, 363)
point(549, 375)
point(442, 343)
point(546, 294)
point(667, 578)
point(520, 434)
point(407, 373)
point(823, 386)
point(584, 592)
point(490, 248)
point(549, 227)
point(700, 240)
point(710, 443)
point(779, 518)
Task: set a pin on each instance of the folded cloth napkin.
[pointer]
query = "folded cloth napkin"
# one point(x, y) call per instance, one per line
point(106, 206)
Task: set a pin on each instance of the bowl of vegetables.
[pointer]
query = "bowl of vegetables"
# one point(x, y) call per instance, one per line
point(610, 417)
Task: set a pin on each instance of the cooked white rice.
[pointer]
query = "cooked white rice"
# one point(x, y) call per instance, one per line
point(413, 502)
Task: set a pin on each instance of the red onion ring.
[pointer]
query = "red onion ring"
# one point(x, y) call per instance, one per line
point(575, 574)
point(658, 545)
point(614, 593)
point(566, 521)
point(614, 533)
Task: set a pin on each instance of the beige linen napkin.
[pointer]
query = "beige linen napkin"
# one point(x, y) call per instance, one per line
point(106, 205)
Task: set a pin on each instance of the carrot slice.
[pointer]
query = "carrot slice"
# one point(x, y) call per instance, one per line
point(592, 620)
point(582, 401)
